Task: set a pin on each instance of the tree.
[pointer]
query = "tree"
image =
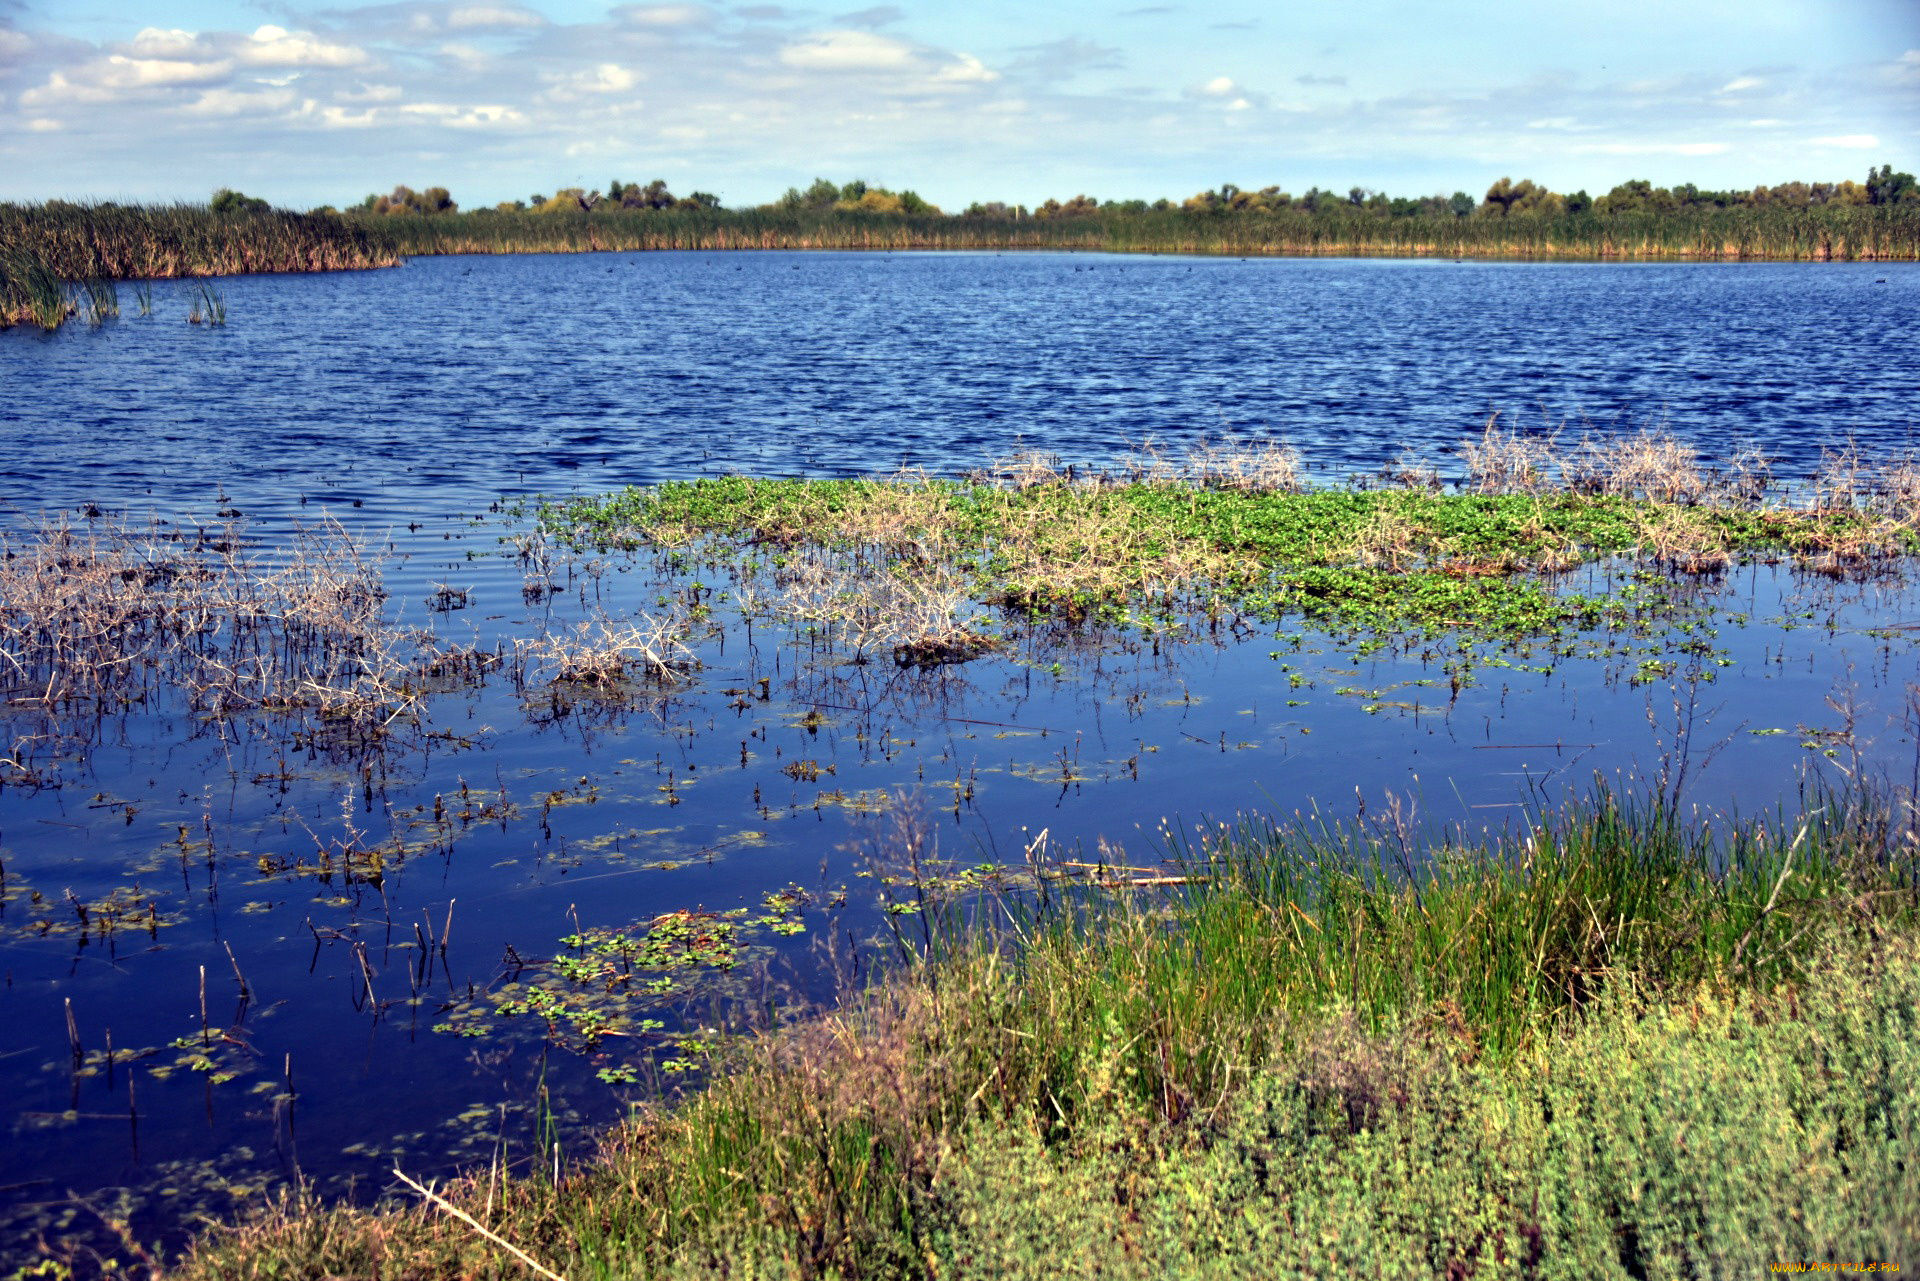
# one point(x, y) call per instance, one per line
point(1885, 187)
point(1507, 197)
point(405, 200)
point(1460, 204)
point(228, 201)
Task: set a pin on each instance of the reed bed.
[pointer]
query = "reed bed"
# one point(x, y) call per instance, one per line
point(1815, 234)
point(103, 242)
point(74, 242)
point(1616, 1040)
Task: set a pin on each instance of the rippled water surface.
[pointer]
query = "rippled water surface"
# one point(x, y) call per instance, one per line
point(463, 376)
point(406, 403)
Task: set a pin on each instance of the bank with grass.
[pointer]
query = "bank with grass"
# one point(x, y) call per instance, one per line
point(1619, 1039)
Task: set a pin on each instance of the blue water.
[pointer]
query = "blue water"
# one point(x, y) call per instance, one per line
point(463, 377)
point(407, 402)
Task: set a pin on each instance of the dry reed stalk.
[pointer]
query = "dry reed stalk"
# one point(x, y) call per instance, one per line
point(441, 1203)
point(603, 651)
point(1653, 464)
point(920, 611)
point(1249, 466)
point(1505, 460)
point(105, 614)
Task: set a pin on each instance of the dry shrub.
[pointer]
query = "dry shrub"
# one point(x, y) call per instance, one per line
point(1652, 464)
point(919, 611)
point(1888, 490)
point(1235, 463)
point(1025, 468)
point(1505, 460)
point(1250, 466)
point(907, 516)
point(604, 651)
point(1407, 471)
point(1388, 540)
point(1844, 481)
point(1684, 540)
point(105, 614)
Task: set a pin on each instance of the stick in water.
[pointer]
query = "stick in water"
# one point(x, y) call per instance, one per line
point(440, 1202)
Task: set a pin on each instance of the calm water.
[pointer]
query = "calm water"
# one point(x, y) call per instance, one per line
point(406, 402)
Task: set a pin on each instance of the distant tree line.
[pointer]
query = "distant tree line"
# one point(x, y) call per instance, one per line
point(1506, 198)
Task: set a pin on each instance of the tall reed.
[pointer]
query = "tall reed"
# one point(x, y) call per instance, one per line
point(1772, 233)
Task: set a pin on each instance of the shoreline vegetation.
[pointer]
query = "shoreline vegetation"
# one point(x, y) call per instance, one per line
point(1620, 1037)
point(59, 259)
point(1621, 1040)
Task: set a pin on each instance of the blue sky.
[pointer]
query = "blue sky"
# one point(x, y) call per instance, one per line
point(308, 103)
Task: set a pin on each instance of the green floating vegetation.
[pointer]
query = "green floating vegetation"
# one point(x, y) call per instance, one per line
point(610, 980)
point(902, 557)
point(1619, 1040)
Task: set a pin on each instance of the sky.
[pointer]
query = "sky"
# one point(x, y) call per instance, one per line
point(311, 103)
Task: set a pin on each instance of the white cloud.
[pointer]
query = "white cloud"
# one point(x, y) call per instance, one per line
point(1237, 96)
point(1765, 124)
point(1740, 84)
point(849, 51)
point(143, 73)
point(43, 125)
point(231, 102)
point(966, 69)
point(345, 118)
point(277, 47)
point(112, 78)
point(486, 15)
point(13, 44)
point(466, 55)
point(1653, 149)
point(459, 117)
point(1553, 122)
point(1851, 141)
point(154, 42)
point(608, 77)
point(663, 15)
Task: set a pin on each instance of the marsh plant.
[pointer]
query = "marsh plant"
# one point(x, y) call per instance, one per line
point(206, 305)
point(604, 651)
point(1608, 1042)
point(917, 564)
point(102, 614)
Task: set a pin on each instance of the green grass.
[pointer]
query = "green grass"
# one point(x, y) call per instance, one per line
point(1620, 1042)
point(30, 290)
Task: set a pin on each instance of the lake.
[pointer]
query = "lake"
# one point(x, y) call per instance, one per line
point(301, 948)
